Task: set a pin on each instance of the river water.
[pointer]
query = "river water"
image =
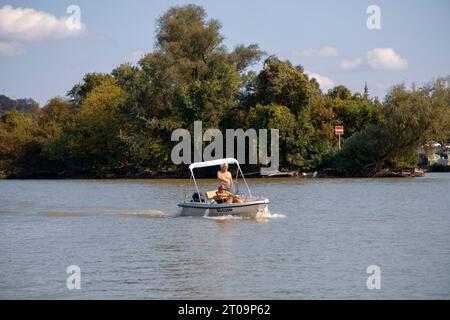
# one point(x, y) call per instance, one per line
point(317, 242)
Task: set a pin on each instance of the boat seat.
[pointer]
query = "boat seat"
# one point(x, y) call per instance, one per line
point(210, 194)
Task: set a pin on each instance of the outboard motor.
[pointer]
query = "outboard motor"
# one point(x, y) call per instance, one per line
point(196, 197)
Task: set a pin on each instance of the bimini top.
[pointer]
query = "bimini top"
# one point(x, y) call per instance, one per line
point(211, 163)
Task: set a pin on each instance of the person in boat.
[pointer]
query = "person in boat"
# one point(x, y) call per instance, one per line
point(225, 196)
point(224, 177)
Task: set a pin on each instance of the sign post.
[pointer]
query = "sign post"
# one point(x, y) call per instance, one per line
point(339, 130)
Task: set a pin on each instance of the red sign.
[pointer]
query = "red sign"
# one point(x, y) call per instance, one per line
point(339, 129)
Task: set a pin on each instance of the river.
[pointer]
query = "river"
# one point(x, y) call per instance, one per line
point(317, 242)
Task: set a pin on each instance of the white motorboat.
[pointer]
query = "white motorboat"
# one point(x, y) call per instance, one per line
point(203, 203)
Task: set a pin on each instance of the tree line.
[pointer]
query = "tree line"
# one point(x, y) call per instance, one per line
point(120, 123)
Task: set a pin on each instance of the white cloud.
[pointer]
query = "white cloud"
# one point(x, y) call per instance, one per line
point(135, 56)
point(377, 59)
point(351, 64)
point(11, 49)
point(322, 52)
point(26, 24)
point(385, 59)
point(324, 82)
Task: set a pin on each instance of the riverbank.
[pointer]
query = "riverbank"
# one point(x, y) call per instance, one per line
point(296, 174)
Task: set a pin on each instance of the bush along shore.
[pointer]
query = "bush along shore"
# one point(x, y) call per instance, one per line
point(119, 124)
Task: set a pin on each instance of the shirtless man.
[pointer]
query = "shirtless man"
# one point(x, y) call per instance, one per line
point(224, 177)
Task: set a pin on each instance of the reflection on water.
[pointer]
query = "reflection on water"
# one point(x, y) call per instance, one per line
point(316, 242)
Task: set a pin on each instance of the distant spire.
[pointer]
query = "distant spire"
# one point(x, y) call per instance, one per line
point(366, 90)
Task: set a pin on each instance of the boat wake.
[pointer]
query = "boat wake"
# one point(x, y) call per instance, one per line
point(274, 215)
point(260, 217)
point(144, 213)
point(60, 214)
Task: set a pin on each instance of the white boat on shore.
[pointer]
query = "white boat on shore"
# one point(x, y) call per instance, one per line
point(203, 203)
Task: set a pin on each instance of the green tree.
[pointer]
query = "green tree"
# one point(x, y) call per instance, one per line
point(279, 82)
point(407, 119)
point(91, 80)
point(354, 113)
point(55, 116)
point(340, 92)
point(99, 126)
point(20, 144)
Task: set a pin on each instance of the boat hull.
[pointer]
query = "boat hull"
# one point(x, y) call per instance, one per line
point(250, 209)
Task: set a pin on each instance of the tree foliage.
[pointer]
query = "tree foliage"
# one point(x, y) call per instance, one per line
point(406, 120)
point(120, 123)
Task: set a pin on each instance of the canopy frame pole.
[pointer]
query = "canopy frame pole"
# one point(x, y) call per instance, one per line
point(245, 181)
point(196, 186)
point(237, 182)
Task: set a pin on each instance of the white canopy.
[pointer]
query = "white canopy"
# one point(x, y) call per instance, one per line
point(211, 163)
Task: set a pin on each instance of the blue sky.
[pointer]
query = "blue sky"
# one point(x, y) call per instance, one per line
point(329, 38)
